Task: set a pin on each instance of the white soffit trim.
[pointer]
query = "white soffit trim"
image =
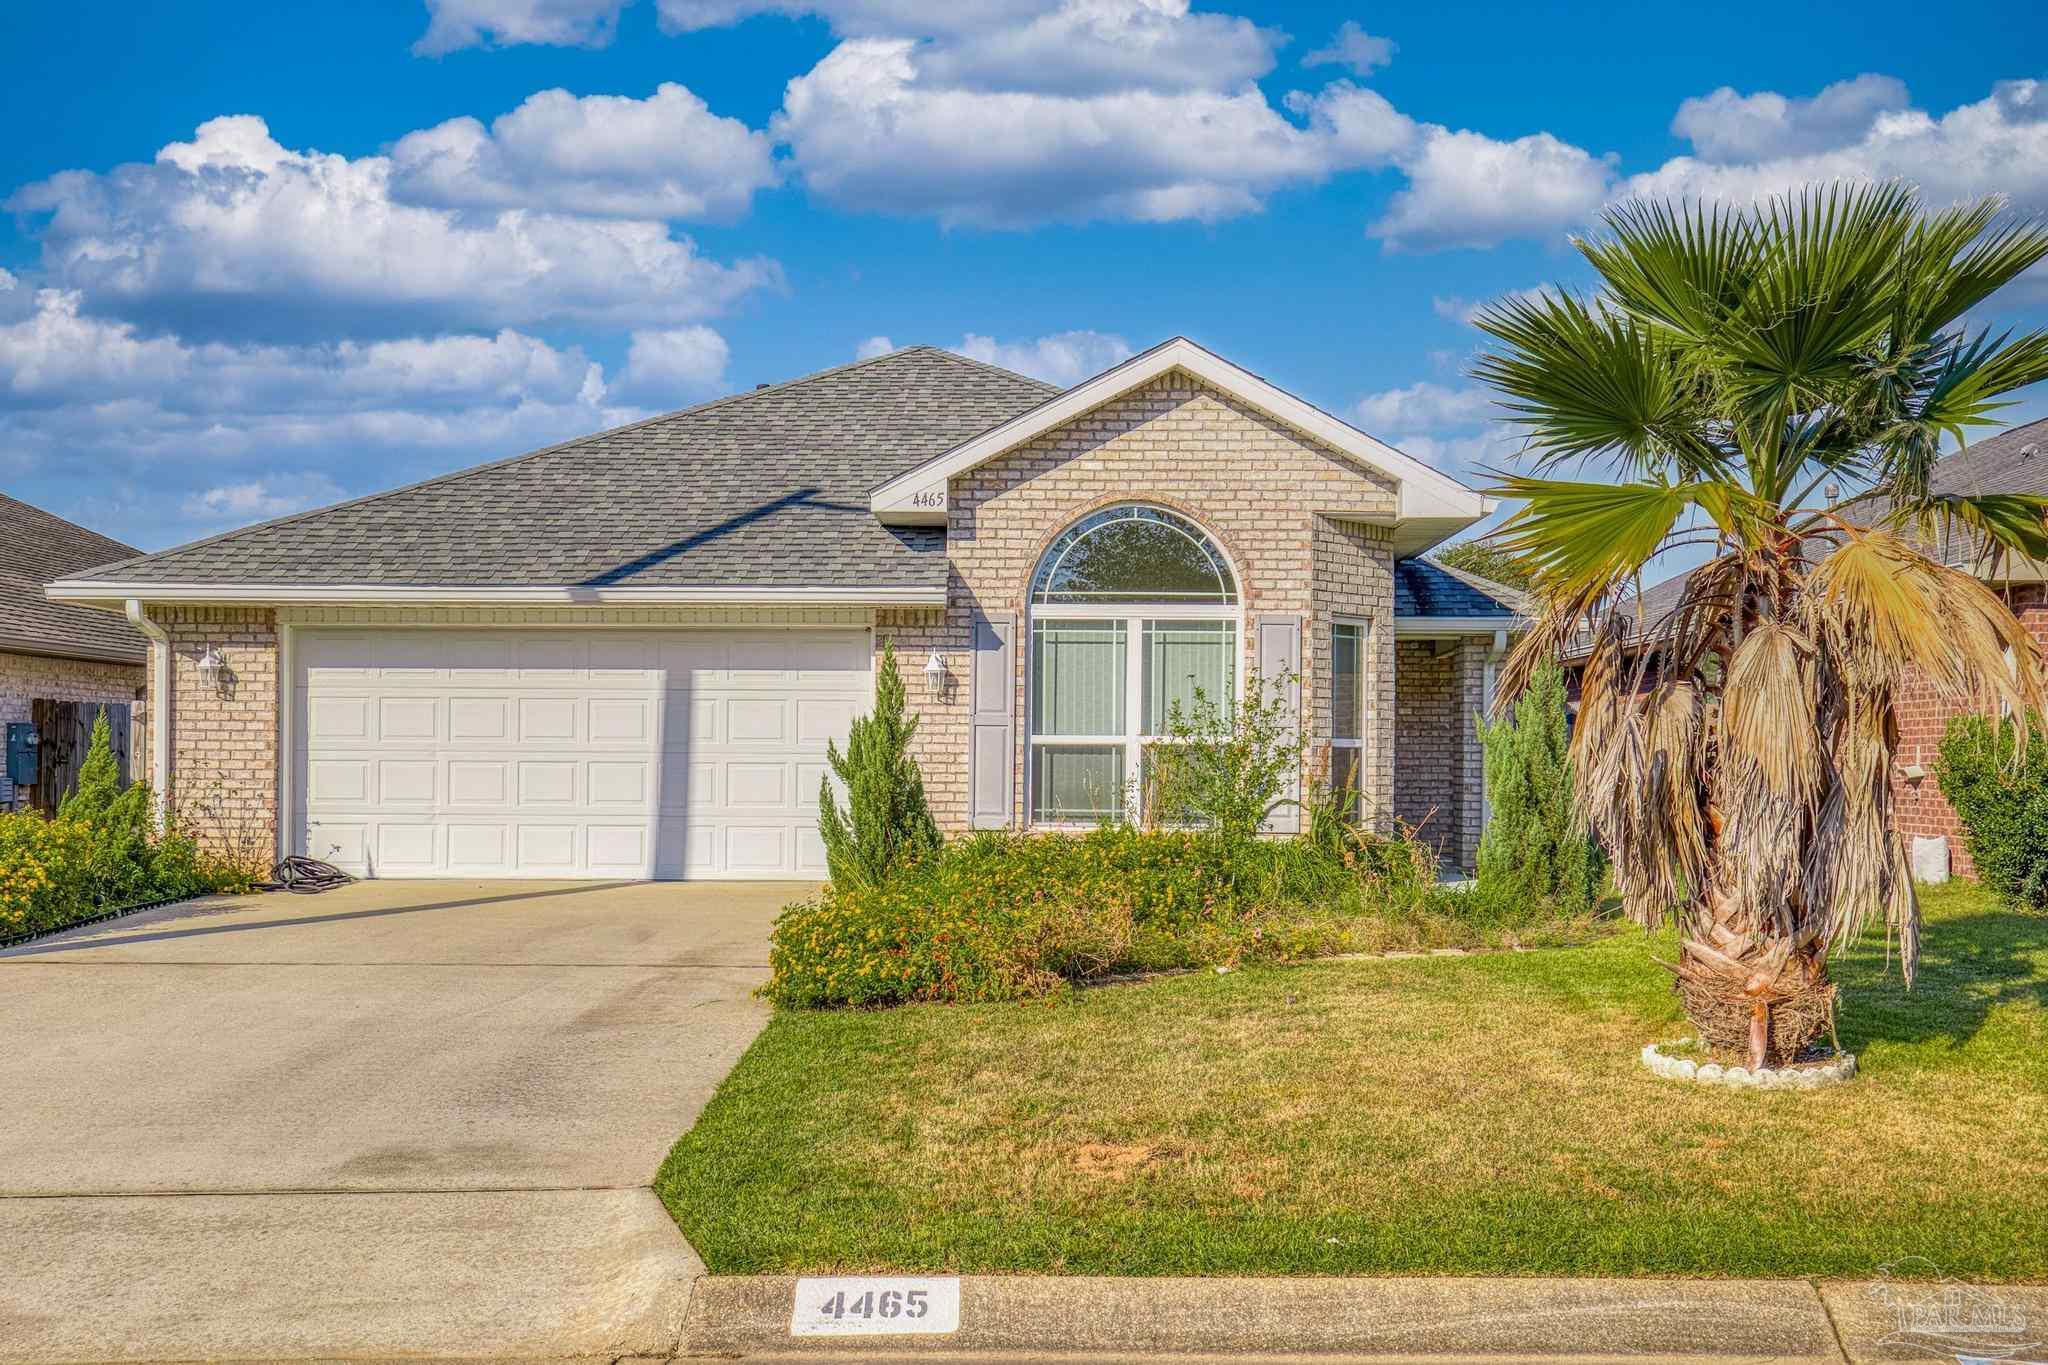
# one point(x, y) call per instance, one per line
point(1433, 626)
point(95, 593)
point(918, 497)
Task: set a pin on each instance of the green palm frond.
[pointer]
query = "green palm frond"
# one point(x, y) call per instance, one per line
point(1585, 381)
point(1585, 539)
point(2010, 523)
point(1680, 267)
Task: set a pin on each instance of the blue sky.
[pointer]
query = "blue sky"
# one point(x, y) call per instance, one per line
point(259, 258)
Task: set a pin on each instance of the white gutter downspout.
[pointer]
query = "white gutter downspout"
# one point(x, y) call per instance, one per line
point(159, 719)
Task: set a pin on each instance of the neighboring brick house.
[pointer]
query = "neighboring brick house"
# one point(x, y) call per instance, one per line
point(2014, 461)
point(51, 650)
point(624, 655)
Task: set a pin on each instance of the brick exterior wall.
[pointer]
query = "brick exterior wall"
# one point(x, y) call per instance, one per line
point(1252, 482)
point(1354, 578)
point(1919, 807)
point(25, 678)
point(1440, 770)
point(224, 758)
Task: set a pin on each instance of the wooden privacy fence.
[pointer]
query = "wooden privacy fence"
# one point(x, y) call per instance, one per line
point(65, 728)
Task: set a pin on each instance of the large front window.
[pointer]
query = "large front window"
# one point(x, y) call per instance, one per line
point(1133, 613)
point(1347, 712)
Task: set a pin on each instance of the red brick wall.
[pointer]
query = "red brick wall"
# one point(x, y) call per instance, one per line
point(1919, 807)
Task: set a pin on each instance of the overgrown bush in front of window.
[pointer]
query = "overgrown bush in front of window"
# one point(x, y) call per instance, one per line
point(1227, 768)
point(1015, 916)
point(1533, 845)
point(887, 824)
point(101, 852)
point(2001, 797)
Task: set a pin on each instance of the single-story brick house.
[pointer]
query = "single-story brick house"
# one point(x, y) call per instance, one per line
point(623, 655)
point(2013, 461)
point(54, 650)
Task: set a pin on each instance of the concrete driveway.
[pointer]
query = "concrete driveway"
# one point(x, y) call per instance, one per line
point(399, 1118)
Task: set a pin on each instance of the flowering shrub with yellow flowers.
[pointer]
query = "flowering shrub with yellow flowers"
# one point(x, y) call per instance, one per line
point(103, 851)
point(1016, 916)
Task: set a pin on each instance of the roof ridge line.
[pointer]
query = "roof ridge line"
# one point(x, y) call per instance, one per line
point(456, 475)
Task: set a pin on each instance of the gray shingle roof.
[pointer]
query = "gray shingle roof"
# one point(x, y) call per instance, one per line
point(36, 547)
point(767, 488)
point(1424, 588)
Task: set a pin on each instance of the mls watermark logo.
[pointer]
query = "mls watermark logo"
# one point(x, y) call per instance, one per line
point(1945, 1317)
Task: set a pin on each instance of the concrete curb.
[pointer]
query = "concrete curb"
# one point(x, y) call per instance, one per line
point(1365, 1319)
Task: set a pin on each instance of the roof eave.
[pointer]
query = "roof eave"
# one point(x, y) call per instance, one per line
point(1411, 627)
point(112, 595)
point(42, 649)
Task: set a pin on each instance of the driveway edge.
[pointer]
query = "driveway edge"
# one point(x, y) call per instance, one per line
point(1576, 1320)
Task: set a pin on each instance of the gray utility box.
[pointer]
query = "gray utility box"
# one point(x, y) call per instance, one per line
point(24, 753)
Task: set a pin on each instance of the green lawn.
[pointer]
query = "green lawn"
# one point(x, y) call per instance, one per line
point(1445, 1115)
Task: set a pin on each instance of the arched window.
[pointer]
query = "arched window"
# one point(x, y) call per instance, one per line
point(1134, 610)
point(1133, 554)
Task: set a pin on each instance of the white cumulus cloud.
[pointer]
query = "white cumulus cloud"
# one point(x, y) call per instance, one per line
point(1996, 145)
point(183, 438)
point(455, 24)
point(684, 362)
point(1424, 407)
point(1352, 47)
point(1728, 126)
point(872, 347)
point(1064, 358)
point(666, 156)
point(235, 228)
point(262, 499)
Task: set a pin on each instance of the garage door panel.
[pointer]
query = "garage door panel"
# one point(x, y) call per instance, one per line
point(559, 753)
point(479, 719)
point(758, 849)
point(545, 720)
point(545, 783)
point(758, 785)
point(407, 781)
point(404, 849)
point(547, 848)
point(621, 720)
point(479, 848)
point(338, 780)
point(416, 719)
point(332, 719)
point(819, 719)
point(479, 781)
point(757, 720)
point(619, 850)
point(619, 782)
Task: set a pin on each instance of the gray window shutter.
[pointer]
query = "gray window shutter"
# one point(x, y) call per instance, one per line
point(1279, 638)
point(992, 723)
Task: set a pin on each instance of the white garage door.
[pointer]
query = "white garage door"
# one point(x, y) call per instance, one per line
point(570, 753)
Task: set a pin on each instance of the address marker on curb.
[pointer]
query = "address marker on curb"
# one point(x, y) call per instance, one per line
point(874, 1305)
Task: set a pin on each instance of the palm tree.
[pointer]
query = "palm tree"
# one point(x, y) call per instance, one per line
point(1735, 755)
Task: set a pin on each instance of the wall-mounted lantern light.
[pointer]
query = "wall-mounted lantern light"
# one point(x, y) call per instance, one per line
point(935, 674)
point(212, 668)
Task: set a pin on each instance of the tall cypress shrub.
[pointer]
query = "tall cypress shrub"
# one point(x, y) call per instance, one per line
point(1532, 845)
point(887, 823)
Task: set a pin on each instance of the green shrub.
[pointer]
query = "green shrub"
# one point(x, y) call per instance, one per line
point(887, 824)
point(1533, 846)
point(1223, 767)
point(2001, 797)
point(1009, 916)
point(101, 852)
